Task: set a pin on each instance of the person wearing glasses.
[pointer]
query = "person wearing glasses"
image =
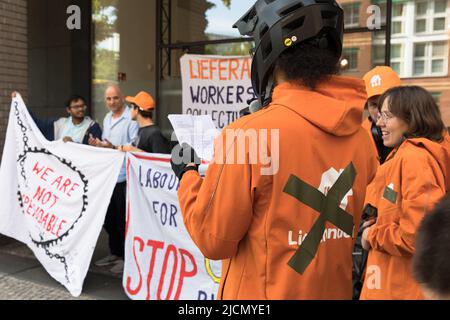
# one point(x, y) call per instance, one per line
point(415, 176)
point(76, 128)
point(378, 81)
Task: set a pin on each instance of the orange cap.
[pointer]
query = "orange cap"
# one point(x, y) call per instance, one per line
point(143, 100)
point(379, 80)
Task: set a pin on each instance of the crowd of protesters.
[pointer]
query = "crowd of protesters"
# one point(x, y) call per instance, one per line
point(392, 168)
point(125, 128)
point(392, 172)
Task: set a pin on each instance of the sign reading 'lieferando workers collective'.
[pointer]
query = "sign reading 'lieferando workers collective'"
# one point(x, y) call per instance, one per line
point(216, 85)
point(54, 196)
point(161, 260)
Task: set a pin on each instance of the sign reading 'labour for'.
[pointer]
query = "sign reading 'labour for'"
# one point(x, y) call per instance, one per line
point(217, 86)
point(161, 260)
point(54, 196)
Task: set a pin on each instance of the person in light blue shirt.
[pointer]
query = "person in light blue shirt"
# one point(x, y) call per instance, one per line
point(118, 130)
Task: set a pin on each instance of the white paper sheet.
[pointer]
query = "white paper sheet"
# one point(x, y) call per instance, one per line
point(197, 131)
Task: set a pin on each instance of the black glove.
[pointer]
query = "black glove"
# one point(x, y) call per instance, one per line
point(181, 157)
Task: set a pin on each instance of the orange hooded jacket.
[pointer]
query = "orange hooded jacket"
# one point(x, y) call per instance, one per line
point(405, 188)
point(255, 221)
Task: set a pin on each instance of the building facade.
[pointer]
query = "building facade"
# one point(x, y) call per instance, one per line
point(138, 44)
point(13, 56)
point(419, 44)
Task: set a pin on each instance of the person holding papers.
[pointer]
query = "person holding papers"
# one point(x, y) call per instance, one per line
point(283, 195)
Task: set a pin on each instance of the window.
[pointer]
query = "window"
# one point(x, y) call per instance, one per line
point(419, 59)
point(396, 58)
point(378, 55)
point(351, 55)
point(382, 6)
point(205, 20)
point(398, 18)
point(430, 16)
point(351, 15)
point(430, 58)
point(437, 97)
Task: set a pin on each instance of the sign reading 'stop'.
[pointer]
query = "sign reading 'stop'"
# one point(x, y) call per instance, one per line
point(216, 85)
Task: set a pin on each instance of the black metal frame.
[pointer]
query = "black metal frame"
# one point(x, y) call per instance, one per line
point(165, 11)
point(387, 47)
point(165, 45)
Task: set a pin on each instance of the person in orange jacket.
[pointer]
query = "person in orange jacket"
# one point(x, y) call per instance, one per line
point(282, 198)
point(378, 81)
point(413, 179)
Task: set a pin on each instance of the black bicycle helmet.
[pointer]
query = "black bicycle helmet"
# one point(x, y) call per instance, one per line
point(278, 25)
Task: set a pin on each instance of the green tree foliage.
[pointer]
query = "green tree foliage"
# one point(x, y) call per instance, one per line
point(106, 63)
point(229, 49)
point(105, 23)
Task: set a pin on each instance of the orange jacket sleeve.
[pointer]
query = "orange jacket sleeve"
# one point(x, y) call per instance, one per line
point(420, 190)
point(217, 210)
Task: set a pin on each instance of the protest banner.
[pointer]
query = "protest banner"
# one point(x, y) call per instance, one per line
point(161, 260)
point(216, 85)
point(54, 196)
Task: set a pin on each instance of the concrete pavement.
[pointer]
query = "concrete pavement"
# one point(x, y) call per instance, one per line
point(23, 278)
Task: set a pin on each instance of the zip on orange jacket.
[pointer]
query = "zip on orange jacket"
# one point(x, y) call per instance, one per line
point(406, 187)
point(255, 222)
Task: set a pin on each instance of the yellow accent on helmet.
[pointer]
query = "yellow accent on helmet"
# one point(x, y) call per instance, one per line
point(288, 42)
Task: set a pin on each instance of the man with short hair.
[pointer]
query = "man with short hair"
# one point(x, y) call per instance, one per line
point(76, 128)
point(118, 129)
point(150, 138)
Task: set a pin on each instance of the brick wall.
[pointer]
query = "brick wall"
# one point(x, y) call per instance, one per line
point(13, 57)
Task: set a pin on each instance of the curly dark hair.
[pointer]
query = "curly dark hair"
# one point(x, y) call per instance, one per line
point(307, 64)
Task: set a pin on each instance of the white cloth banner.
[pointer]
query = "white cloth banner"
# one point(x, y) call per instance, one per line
point(161, 260)
point(219, 86)
point(54, 196)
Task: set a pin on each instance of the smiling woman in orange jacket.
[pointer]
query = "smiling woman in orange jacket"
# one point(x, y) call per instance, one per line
point(407, 186)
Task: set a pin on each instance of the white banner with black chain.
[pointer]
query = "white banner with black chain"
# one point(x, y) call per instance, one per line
point(54, 196)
